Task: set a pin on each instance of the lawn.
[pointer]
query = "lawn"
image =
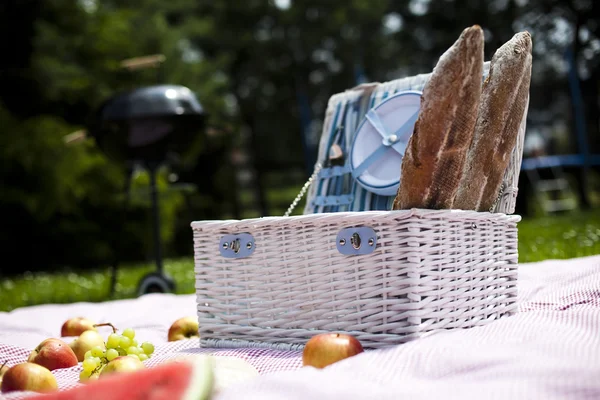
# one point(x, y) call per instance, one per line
point(576, 234)
point(555, 237)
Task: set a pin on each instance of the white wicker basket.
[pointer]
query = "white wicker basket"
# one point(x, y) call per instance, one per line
point(418, 271)
point(429, 270)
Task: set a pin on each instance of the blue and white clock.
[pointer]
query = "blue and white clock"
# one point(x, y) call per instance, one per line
point(380, 142)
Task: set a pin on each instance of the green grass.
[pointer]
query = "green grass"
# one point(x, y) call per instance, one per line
point(571, 235)
point(93, 286)
point(552, 237)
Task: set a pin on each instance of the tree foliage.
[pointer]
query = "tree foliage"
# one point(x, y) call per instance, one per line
point(264, 70)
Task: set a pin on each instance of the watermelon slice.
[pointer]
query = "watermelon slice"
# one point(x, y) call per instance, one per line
point(193, 379)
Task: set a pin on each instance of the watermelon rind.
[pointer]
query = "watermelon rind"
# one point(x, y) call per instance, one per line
point(227, 370)
point(202, 379)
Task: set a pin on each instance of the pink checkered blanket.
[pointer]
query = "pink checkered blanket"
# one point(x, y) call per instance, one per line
point(549, 350)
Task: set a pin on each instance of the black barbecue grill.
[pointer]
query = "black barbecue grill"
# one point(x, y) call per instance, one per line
point(148, 127)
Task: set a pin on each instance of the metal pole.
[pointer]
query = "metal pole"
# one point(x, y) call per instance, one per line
point(156, 218)
point(580, 128)
point(116, 239)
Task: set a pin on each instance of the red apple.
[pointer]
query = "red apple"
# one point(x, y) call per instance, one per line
point(76, 326)
point(53, 354)
point(3, 370)
point(327, 348)
point(85, 342)
point(122, 364)
point(30, 377)
point(184, 328)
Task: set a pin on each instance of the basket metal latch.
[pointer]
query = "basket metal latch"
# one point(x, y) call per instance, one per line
point(237, 245)
point(357, 240)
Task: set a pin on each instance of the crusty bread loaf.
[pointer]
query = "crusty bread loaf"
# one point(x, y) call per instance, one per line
point(503, 103)
point(436, 152)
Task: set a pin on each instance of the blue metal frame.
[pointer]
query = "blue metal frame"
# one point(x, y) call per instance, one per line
point(570, 160)
point(584, 158)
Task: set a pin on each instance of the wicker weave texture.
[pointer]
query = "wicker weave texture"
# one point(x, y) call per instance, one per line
point(430, 270)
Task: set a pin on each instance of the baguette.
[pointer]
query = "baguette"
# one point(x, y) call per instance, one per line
point(436, 151)
point(503, 102)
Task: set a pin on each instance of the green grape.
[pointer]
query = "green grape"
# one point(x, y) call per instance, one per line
point(148, 348)
point(134, 342)
point(111, 354)
point(133, 350)
point(130, 333)
point(121, 351)
point(125, 342)
point(113, 341)
point(142, 357)
point(84, 376)
point(89, 364)
point(98, 361)
point(87, 354)
point(98, 351)
point(134, 355)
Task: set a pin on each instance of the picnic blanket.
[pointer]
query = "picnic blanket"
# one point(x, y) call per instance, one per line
point(549, 350)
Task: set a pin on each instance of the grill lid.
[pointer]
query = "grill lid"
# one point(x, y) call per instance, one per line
point(152, 101)
point(148, 124)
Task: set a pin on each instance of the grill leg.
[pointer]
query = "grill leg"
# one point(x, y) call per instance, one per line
point(156, 221)
point(156, 282)
point(117, 239)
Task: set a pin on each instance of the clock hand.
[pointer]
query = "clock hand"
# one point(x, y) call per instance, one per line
point(387, 142)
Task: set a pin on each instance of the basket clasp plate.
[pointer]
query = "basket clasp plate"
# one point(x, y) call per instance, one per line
point(356, 240)
point(237, 245)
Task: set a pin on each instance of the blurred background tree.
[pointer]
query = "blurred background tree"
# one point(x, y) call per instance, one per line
point(263, 69)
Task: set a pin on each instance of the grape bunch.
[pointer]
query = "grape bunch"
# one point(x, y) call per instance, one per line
point(116, 345)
